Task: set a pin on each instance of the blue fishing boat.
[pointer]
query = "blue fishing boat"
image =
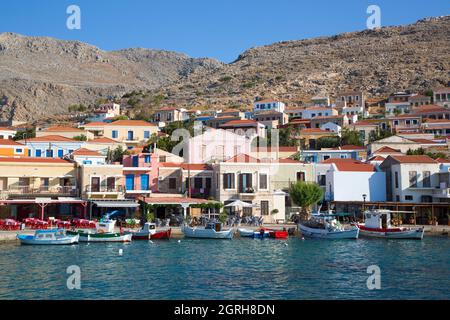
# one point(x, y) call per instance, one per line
point(52, 237)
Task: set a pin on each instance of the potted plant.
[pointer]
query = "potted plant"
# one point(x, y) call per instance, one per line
point(150, 216)
point(223, 217)
point(429, 218)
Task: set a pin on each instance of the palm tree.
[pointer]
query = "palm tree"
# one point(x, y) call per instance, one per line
point(305, 194)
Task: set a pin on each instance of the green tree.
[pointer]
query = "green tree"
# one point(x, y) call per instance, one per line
point(81, 137)
point(27, 134)
point(122, 117)
point(117, 154)
point(305, 194)
point(351, 137)
point(328, 142)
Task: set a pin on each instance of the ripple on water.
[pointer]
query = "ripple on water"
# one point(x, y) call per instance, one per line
point(236, 269)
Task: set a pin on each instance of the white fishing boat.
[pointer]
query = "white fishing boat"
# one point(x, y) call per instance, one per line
point(377, 223)
point(327, 227)
point(213, 230)
point(50, 237)
point(104, 232)
point(243, 232)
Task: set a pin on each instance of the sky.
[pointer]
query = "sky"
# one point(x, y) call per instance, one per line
point(220, 29)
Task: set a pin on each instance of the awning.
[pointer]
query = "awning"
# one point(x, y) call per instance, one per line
point(116, 204)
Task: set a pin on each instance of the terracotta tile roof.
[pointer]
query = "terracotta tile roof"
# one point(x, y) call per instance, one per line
point(239, 122)
point(315, 130)
point(442, 160)
point(62, 129)
point(377, 158)
point(95, 124)
point(6, 129)
point(414, 159)
point(339, 116)
point(418, 97)
point(288, 160)
point(86, 152)
point(430, 109)
point(9, 142)
point(436, 120)
point(349, 147)
point(423, 141)
point(34, 160)
point(387, 150)
point(186, 166)
point(50, 138)
point(405, 116)
point(243, 158)
point(102, 140)
point(140, 123)
point(350, 165)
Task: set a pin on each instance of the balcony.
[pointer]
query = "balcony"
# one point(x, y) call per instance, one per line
point(442, 193)
point(24, 191)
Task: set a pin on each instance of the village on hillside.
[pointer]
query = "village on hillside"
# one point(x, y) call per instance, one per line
point(362, 152)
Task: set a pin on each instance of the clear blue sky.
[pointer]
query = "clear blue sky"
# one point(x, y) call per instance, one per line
point(204, 28)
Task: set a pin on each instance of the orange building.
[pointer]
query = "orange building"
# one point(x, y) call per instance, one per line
point(11, 148)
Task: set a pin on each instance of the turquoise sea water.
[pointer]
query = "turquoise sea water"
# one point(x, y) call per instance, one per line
point(229, 269)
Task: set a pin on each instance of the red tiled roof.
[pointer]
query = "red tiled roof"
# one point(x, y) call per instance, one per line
point(423, 141)
point(436, 120)
point(387, 150)
point(377, 158)
point(442, 160)
point(103, 140)
point(349, 147)
point(9, 142)
point(86, 152)
point(140, 123)
point(6, 129)
point(339, 116)
point(350, 165)
point(62, 129)
point(315, 130)
point(186, 166)
point(33, 160)
point(51, 138)
point(414, 159)
point(238, 122)
point(244, 158)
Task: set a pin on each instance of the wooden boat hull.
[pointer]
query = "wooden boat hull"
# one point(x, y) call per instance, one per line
point(326, 234)
point(103, 237)
point(201, 233)
point(395, 233)
point(30, 240)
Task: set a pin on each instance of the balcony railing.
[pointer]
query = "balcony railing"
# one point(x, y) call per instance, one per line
point(59, 190)
point(104, 189)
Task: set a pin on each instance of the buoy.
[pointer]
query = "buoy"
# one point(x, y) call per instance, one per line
point(120, 252)
point(303, 238)
point(179, 241)
point(286, 244)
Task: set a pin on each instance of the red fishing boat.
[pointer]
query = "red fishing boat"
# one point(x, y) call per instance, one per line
point(278, 234)
point(163, 234)
point(149, 232)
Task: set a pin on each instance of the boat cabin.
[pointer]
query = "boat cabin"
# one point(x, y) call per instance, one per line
point(214, 225)
point(48, 234)
point(149, 226)
point(379, 219)
point(106, 226)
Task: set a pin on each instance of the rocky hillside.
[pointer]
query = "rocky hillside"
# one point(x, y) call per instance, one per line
point(42, 76)
point(415, 57)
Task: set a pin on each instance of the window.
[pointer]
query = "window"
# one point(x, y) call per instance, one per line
point(395, 122)
point(396, 179)
point(95, 184)
point(172, 183)
point(208, 183)
point(228, 180)
point(49, 153)
point(162, 158)
point(322, 180)
point(87, 162)
point(38, 153)
point(263, 181)
point(60, 153)
point(408, 197)
point(18, 150)
point(115, 134)
point(70, 150)
point(343, 156)
point(146, 134)
point(426, 179)
point(264, 208)
point(198, 183)
point(413, 179)
point(111, 183)
point(147, 158)
point(300, 176)
point(245, 182)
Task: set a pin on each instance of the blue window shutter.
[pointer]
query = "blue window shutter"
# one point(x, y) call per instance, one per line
point(115, 134)
point(60, 153)
point(144, 182)
point(38, 153)
point(146, 134)
point(147, 158)
point(129, 181)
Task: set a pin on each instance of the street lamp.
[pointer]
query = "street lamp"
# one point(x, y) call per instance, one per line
point(364, 201)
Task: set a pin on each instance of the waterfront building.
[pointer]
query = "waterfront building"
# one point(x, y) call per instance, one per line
point(39, 186)
point(349, 180)
point(51, 146)
point(261, 183)
point(415, 179)
point(141, 174)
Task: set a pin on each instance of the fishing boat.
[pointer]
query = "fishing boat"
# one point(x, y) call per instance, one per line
point(326, 226)
point(261, 233)
point(377, 223)
point(213, 230)
point(51, 237)
point(149, 232)
point(104, 232)
point(248, 233)
point(278, 234)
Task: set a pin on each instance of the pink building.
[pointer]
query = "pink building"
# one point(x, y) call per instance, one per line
point(141, 174)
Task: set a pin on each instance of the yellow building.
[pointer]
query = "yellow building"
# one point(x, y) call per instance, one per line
point(11, 148)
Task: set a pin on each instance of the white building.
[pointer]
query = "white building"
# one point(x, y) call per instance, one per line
point(51, 146)
point(441, 97)
point(318, 111)
point(7, 133)
point(106, 111)
point(268, 104)
point(414, 179)
point(349, 180)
